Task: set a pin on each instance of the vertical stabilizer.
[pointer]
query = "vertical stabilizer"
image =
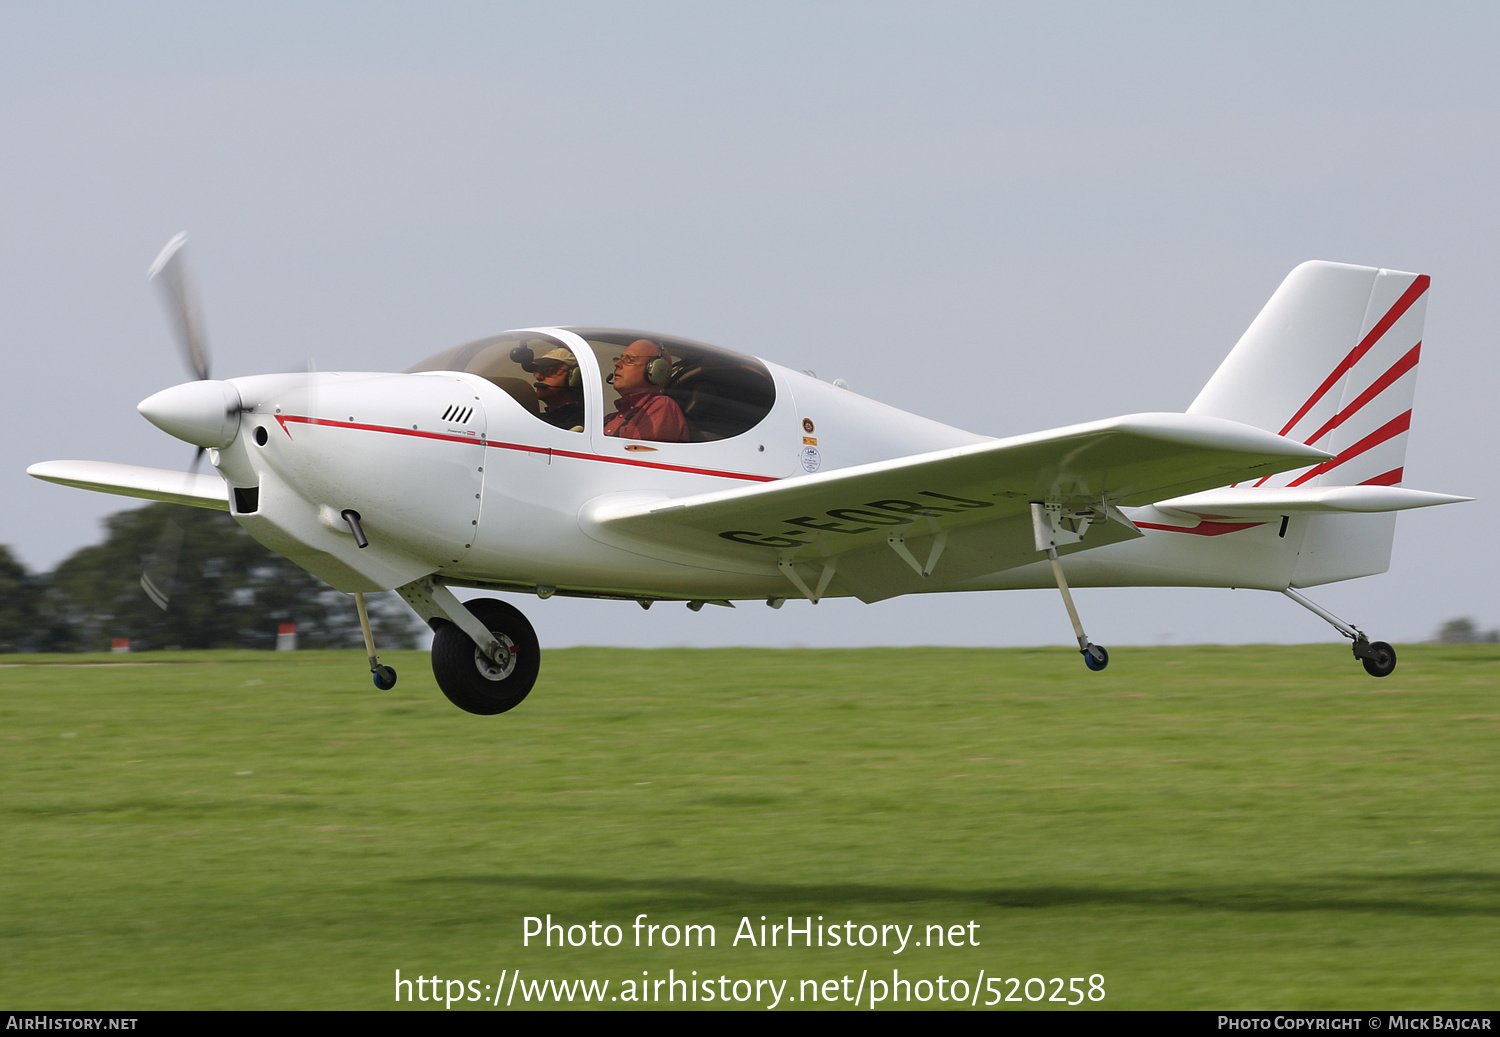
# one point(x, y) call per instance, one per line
point(1331, 361)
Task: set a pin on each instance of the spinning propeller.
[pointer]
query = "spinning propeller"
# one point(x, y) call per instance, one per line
point(170, 272)
point(207, 413)
point(204, 412)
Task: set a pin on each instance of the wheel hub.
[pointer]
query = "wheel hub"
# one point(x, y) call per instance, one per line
point(492, 669)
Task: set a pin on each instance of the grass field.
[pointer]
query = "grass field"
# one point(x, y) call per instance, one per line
point(1202, 827)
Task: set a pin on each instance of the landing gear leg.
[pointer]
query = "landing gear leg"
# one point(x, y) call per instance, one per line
point(1379, 658)
point(1094, 656)
point(385, 677)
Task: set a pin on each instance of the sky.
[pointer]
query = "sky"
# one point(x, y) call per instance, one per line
point(1010, 217)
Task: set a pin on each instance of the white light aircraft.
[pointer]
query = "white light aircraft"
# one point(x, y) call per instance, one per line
point(627, 465)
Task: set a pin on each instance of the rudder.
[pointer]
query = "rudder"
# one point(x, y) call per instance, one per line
point(1331, 361)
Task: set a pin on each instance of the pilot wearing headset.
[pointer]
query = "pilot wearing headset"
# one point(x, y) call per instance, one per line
point(642, 412)
point(559, 387)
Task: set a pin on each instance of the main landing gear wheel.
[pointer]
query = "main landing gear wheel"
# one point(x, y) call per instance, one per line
point(1095, 657)
point(476, 683)
point(1379, 660)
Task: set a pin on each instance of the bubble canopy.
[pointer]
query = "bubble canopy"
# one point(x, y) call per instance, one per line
point(722, 394)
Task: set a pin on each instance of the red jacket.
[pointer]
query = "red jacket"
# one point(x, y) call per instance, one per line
point(647, 415)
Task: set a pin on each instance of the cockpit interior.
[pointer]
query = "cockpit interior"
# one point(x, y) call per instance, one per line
point(720, 394)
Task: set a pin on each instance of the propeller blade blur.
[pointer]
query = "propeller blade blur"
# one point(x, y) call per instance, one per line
point(170, 271)
point(159, 571)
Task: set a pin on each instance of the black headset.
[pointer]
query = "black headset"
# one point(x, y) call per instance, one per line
point(523, 355)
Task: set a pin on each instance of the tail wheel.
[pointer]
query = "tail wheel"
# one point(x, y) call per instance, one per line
point(1381, 659)
point(476, 683)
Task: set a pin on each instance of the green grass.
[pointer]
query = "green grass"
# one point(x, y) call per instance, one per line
point(1205, 827)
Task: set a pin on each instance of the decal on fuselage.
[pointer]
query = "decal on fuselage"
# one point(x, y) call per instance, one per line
point(862, 518)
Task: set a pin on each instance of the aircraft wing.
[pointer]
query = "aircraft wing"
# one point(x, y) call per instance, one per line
point(191, 488)
point(934, 519)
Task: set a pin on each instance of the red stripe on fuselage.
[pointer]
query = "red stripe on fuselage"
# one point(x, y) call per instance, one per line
point(477, 441)
point(417, 433)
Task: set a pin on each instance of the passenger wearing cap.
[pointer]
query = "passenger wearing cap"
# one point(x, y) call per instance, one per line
point(558, 386)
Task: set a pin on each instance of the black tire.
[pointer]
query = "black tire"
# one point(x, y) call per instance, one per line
point(1381, 661)
point(474, 683)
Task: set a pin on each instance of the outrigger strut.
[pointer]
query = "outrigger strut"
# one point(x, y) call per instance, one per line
point(384, 676)
point(1044, 527)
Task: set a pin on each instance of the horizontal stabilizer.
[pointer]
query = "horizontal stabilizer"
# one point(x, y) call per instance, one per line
point(1273, 500)
point(191, 488)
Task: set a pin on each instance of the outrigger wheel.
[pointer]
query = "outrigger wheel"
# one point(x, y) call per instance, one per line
point(472, 680)
point(384, 676)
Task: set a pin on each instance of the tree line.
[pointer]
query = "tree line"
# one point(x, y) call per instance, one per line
point(227, 591)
